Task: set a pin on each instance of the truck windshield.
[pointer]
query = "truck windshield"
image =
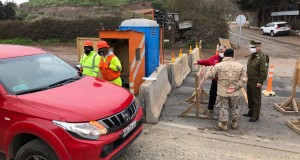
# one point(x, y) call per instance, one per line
point(34, 73)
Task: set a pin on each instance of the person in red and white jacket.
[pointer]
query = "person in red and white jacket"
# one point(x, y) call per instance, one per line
point(213, 88)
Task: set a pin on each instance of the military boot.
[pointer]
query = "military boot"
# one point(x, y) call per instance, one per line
point(234, 124)
point(223, 125)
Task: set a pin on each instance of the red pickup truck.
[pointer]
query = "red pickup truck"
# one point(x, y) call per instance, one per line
point(49, 112)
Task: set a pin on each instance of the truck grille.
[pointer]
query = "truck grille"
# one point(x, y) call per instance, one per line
point(120, 120)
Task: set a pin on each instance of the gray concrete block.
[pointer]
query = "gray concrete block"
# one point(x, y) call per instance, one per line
point(153, 94)
point(178, 70)
point(193, 57)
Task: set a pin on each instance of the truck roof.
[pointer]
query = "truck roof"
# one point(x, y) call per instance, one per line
point(10, 51)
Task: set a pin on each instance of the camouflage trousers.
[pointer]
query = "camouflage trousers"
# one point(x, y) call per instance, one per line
point(228, 103)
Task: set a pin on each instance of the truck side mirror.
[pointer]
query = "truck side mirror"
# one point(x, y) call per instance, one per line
point(78, 67)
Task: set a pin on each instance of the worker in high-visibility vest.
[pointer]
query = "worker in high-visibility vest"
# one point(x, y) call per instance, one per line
point(90, 60)
point(110, 64)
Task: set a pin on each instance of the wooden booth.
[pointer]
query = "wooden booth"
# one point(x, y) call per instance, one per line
point(129, 47)
point(80, 42)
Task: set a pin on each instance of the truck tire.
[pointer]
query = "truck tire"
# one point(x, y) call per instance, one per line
point(36, 150)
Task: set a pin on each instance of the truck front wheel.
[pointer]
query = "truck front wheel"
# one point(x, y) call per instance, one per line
point(36, 150)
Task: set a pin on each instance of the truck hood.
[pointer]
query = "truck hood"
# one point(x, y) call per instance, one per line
point(81, 101)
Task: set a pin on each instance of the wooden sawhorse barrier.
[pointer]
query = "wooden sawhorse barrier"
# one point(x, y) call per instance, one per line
point(295, 125)
point(197, 99)
point(291, 105)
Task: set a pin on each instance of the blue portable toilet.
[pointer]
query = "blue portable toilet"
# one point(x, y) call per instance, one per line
point(152, 39)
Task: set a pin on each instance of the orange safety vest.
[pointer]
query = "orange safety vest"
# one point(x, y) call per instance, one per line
point(107, 73)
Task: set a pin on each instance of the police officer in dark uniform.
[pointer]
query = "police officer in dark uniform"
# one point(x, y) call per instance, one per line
point(257, 70)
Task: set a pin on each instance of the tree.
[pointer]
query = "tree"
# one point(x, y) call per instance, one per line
point(1, 11)
point(8, 11)
point(206, 16)
point(264, 8)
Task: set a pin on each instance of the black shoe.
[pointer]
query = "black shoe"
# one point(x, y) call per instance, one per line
point(247, 115)
point(253, 119)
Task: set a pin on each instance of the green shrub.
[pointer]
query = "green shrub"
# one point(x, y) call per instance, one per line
point(168, 45)
point(208, 29)
point(56, 30)
point(20, 41)
point(23, 41)
point(190, 43)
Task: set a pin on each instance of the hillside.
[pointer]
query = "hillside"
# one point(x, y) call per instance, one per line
point(70, 9)
point(35, 3)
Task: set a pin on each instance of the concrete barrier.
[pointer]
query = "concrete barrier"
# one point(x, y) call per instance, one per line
point(153, 94)
point(193, 57)
point(178, 70)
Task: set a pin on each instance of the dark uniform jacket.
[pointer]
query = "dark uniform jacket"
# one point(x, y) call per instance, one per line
point(257, 67)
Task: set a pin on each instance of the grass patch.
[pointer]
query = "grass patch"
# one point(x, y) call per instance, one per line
point(24, 41)
point(15, 41)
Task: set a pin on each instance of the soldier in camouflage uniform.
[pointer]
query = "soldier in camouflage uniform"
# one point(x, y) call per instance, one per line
point(231, 75)
point(257, 70)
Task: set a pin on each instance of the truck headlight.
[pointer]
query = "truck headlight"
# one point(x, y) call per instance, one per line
point(92, 130)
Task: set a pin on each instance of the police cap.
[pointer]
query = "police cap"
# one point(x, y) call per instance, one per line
point(253, 42)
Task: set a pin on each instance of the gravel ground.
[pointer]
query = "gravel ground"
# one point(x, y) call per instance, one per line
point(269, 138)
point(163, 141)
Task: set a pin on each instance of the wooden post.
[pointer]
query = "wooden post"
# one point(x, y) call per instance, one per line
point(291, 105)
point(197, 98)
point(245, 94)
point(200, 50)
point(161, 46)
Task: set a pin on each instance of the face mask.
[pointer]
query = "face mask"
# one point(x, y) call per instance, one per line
point(253, 50)
point(221, 55)
point(101, 53)
point(87, 52)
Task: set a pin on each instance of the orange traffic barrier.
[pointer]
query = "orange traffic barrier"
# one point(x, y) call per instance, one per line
point(217, 50)
point(173, 58)
point(180, 53)
point(191, 50)
point(270, 80)
point(269, 91)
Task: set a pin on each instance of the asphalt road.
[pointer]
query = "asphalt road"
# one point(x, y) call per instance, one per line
point(279, 46)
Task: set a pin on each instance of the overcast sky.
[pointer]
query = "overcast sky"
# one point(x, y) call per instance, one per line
point(17, 1)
